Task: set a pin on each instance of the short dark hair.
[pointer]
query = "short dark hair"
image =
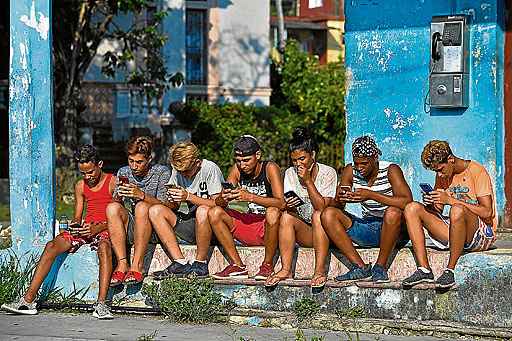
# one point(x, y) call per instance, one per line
point(246, 145)
point(302, 139)
point(140, 145)
point(87, 153)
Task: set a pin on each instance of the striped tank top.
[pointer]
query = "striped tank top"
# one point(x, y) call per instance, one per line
point(371, 208)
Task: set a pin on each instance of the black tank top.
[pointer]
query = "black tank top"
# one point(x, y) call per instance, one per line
point(259, 186)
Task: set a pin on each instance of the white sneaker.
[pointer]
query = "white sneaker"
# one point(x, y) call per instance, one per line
point(21, 307)
point(102, 311)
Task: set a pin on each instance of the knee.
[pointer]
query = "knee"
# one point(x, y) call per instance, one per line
point(51, 246)
point(272, 216)
point(214, 214)
point(113, 210)
point(328, 216)
point(413, 209)
point(457, 213)
point(156, 211)
point(392, 216)
point(142, 209)
point(316, 219)
point(286, 220)
point(202, 214)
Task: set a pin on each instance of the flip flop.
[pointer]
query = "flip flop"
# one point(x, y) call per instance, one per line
point(274, 280)
point(319, 284)
point(133, 277)
point(117, 278)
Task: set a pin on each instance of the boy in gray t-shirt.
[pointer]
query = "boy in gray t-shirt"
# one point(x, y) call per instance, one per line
point(192, 188)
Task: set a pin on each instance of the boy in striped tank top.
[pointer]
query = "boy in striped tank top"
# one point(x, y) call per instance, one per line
point(95, 191)
point(381, 190)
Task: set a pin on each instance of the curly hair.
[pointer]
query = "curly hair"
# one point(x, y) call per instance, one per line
point(87, 153)
point(434, 153)
point(140, 145)
point(182, 155)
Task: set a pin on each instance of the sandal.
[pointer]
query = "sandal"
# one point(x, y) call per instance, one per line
point(320, 280)
point(274, 280)
point(117, 278)
point(133, 277)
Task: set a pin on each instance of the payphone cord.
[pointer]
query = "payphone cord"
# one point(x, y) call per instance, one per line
point(426, 102)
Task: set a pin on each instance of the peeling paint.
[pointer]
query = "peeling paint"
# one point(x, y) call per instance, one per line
point(388, 299)
point(42, 26)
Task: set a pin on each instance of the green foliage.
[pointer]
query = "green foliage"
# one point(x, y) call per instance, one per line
point(65, 299)
point(5, 214)
point(300, 336)
point(16, 275)
point(186, 300)
point(354, 312)
point(305, 308)
point(148, 337)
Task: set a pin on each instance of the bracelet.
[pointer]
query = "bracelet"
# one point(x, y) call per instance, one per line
point(188, 196)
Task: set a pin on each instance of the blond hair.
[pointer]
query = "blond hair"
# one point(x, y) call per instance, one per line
point(434, 153)
point(182, 155)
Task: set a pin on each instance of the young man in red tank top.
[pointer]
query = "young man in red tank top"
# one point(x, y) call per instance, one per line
point(95, 191)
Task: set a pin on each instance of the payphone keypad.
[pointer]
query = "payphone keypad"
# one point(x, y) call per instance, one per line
point(452, 34)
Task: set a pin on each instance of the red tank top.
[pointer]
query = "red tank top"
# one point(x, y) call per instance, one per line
point(97, 201)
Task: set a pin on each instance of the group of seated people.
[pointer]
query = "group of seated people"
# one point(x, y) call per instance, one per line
point(190, 201)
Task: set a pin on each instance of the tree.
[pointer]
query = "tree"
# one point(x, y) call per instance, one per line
point(79, 27)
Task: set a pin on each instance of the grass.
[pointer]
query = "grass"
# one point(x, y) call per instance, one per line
point(5, 214)
point(16, 275)
point(305, 308)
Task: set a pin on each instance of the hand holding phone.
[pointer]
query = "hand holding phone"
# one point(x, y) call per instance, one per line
point(426, 188)
point(293, 200)
point(228, 186)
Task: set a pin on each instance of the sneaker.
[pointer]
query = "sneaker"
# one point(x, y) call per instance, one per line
point(21, 307)
point(446, 280)
point(379, 274)
point(265, 272)
point(356, 273)
point(232, 271)
point(102, 311)
point(175, 269)
point(421, 275)
point(199, 269)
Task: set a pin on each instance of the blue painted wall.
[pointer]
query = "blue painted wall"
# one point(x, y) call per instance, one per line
point(31, 149)
point(387, 60)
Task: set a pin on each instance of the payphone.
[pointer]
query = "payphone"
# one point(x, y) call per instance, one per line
point(449, 62)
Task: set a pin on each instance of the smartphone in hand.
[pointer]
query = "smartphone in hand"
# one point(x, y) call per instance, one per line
point(228, 185)
point(293, 195)
point(123, 180)
point(344, 189)
point(426, 188)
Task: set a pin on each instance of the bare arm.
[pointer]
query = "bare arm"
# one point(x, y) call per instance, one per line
point(401, 192)
point(277, 200)
point(317, 200)
point(79, 201)
point(346, 180)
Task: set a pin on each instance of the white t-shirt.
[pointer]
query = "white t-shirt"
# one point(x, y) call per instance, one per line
point(325, 182)
point(207, 182)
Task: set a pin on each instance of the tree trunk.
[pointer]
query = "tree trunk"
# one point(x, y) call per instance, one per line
point(280, 26)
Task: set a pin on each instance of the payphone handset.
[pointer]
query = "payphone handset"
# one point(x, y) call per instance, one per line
point(449, 61)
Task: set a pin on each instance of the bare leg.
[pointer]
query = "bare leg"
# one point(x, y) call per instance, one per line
point(105, 271)
point(163, 221)
point(416, 217)
point(52, 249)
point(271, 237)
point(389, 233)
point(222, 224)
point(117, 220)
point(141, 235)
point(463, 225)
point(321, 246)
point(336, 223)
point(203, 233)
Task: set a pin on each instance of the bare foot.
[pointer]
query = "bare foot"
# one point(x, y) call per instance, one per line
point(278, 277)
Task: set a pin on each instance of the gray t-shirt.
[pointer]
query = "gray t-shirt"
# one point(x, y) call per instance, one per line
point(207, 182)
point(325, 183)
point(153, 183)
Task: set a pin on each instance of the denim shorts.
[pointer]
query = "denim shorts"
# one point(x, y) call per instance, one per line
point(365, 231)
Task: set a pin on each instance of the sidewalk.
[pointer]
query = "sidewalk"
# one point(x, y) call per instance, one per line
point(58, 326)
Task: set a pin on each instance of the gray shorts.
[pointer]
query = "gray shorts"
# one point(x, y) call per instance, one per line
point(185, 230)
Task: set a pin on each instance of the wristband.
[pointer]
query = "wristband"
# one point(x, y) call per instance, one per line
point(188, 196)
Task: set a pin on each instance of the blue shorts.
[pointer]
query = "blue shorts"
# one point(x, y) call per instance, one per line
point(365, 232)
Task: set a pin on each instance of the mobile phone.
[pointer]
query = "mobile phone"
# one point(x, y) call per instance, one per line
point(228, 185)
point(75, 226)
point(123, 180)
point(292, 194)
point(171, 186)
point(426, 188)
point(345, 188)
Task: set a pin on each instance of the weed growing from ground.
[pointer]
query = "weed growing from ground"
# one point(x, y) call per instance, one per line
point(148, 337)
point(15, 277)
point(305, 308)
point(186, 299)
point(354, 312)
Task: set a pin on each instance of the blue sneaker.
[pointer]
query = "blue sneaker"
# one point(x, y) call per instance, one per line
point(356, 273)
point(379, 274)
point(175, 269)
point(199, 269)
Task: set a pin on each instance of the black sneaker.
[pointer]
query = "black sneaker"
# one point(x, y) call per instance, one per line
point(199, 269)
point(418, 277)
point(175, 269)
point(356, 273)
point(446, 280)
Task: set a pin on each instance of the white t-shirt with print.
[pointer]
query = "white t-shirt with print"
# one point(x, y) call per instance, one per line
point(325, 182)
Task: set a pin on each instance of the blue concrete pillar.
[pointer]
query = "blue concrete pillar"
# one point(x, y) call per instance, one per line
point(31, 144)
